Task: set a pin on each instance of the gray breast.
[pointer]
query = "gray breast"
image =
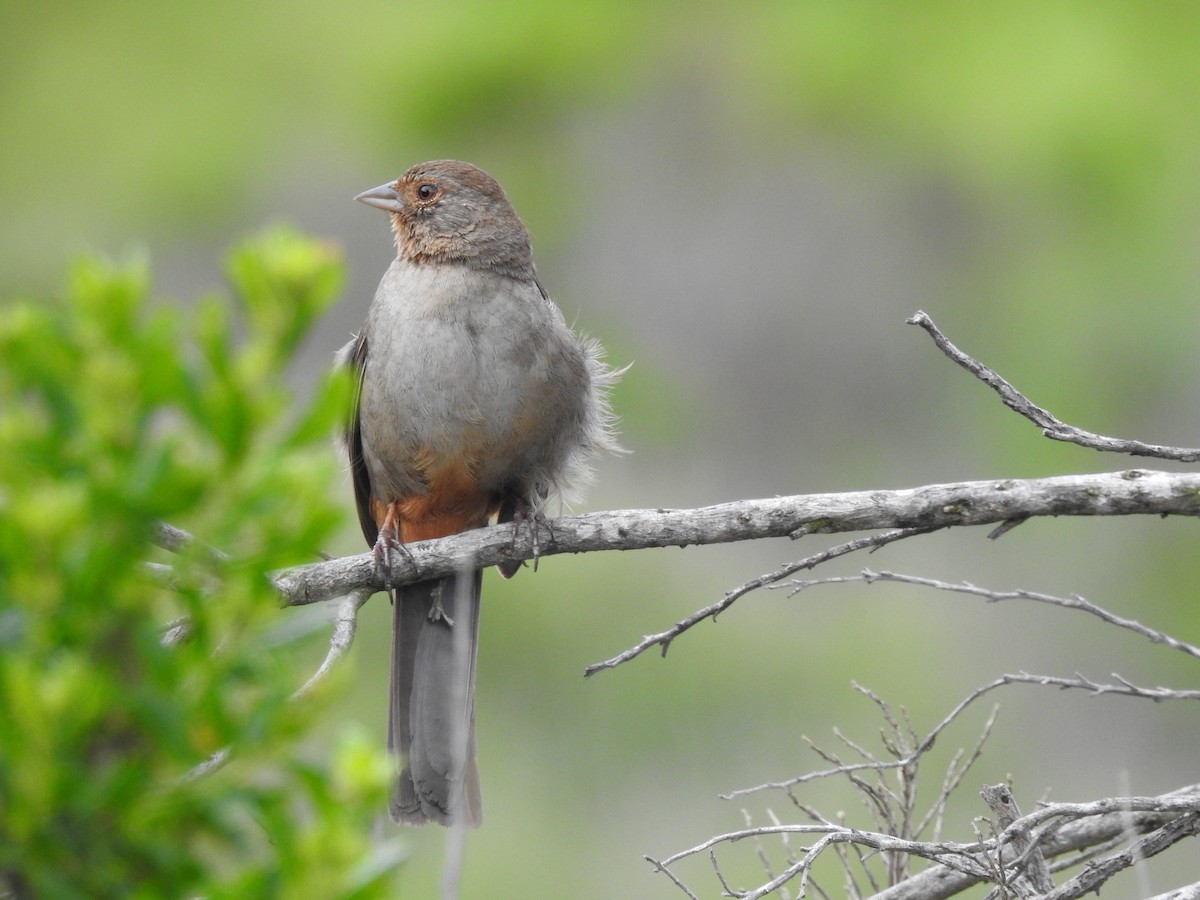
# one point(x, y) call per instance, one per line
point(466, 362)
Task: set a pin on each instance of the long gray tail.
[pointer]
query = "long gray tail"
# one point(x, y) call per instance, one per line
point(431, 722)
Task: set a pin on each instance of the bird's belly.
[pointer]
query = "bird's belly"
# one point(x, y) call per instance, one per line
point(445, 408)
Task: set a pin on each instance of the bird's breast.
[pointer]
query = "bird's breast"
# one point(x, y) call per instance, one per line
point(462, 374)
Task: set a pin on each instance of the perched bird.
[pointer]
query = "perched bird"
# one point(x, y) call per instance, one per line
point(476, 403)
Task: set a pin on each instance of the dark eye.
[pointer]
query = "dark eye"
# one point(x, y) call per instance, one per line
point(427, 191)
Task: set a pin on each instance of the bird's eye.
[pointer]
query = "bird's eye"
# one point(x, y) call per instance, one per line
point(427, 191)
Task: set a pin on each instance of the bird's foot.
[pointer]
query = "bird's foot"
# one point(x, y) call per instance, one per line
point(387, 546)
point(437, 612)
point(524, 514)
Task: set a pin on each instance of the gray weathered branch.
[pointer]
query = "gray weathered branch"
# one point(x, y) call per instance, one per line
point(939, 882)
point(1132, 492)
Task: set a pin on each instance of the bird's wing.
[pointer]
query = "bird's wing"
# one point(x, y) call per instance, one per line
point(354, 357)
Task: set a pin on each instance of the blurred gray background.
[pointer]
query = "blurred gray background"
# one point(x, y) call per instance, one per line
point(746, 203)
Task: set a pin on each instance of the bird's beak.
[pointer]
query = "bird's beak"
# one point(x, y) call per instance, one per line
point(382, 197)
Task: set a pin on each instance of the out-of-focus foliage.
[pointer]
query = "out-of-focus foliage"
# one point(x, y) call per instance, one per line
point(116, 412)
point(1094, 102)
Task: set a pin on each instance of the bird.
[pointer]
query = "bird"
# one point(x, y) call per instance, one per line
point(475, 403)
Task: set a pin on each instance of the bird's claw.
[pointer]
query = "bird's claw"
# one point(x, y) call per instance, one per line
point(437, 612)
point(525, 514)
point(387, 545)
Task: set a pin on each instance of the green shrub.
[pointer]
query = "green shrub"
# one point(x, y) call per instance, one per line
point(118, 412)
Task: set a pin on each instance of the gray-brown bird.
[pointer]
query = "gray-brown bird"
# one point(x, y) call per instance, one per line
point(476, 403)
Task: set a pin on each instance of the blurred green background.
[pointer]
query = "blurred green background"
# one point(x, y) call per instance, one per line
point(745, 200)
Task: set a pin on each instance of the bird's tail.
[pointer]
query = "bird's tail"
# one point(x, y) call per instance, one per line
point(435, 630)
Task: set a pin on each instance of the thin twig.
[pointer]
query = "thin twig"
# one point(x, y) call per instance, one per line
point(1075, 601)
point(956, 771)
point(1124, 687)
point(949, 853)
point(1052, 427)
point(921, 748)
point(664, 638)
point(659, 867)
point(344, 628)
point(176, 540)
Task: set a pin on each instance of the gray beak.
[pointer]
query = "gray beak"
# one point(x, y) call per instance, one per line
point(382, 197)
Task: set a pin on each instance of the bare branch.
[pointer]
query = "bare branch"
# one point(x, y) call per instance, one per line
point(1052, 427)
point(955, 773)
point(892, 807)
point(1133, 492)
point(176, 632)
point(1090, 879)
point(1187, 892)
point(1093, 852)
point(176, 540)
point(210, 765)
point(1004, 807)
point(344, 628)
point(1175, 816)
point(944, 851)
point(1107, 822)
point(1124, 688)
point(659, 867)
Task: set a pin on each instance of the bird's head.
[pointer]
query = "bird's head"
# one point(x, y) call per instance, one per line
point(448, 211)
